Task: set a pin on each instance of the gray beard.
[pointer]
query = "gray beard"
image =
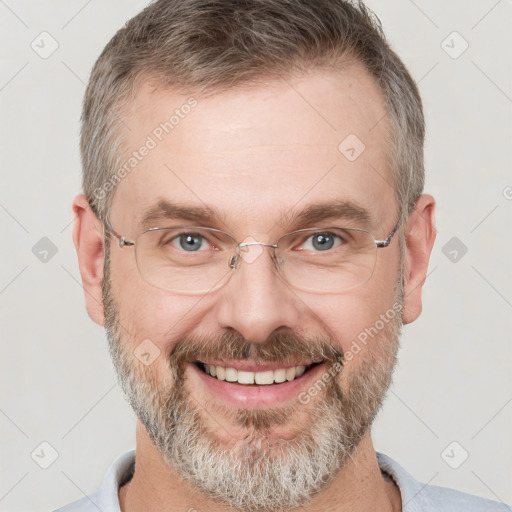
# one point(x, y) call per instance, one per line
point(258, 472)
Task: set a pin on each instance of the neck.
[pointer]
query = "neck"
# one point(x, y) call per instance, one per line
point(358, 486)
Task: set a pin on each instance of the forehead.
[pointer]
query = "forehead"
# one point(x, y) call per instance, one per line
point(258, 153)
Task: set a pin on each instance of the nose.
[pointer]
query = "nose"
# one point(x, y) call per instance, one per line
point(255, 301)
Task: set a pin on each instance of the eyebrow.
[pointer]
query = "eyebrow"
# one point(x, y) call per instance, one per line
point(165, 210)
point(332, 210)
point(206, 216)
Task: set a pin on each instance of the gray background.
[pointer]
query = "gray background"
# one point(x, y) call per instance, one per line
point(453, 383)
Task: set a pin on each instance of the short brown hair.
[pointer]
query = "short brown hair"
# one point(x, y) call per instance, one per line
point(218, 44)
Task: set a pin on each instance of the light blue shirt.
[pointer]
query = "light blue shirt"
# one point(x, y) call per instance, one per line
point(416, 497)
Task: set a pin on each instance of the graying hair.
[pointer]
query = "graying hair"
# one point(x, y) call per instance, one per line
point(216, 45)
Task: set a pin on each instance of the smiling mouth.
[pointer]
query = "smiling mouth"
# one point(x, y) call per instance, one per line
point(262, 378)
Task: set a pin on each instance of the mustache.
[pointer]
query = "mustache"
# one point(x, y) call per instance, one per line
point(280, 346)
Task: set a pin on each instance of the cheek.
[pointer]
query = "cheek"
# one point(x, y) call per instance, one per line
point(149, 316)
point(346, 316)
point(152, 324)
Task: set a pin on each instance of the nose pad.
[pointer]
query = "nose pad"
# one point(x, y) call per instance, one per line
point(277, 259)
point(250, 249)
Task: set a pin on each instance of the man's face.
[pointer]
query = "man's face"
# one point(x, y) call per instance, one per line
point(257, 157)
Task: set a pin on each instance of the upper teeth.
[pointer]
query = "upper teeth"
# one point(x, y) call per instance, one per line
point(243, 377)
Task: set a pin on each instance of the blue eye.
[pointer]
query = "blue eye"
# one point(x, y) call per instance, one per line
point(321, 241)
point(190, 242)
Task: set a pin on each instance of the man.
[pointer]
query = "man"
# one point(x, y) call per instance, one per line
point(253, 178)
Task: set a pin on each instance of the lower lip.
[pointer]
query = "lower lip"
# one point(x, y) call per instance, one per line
point(257, 395)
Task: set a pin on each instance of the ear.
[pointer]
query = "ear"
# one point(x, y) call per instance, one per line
point(88, 240)
point(420, 234)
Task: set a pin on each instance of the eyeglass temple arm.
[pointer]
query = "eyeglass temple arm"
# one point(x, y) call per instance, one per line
point(387, 241)
point(122, 239)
